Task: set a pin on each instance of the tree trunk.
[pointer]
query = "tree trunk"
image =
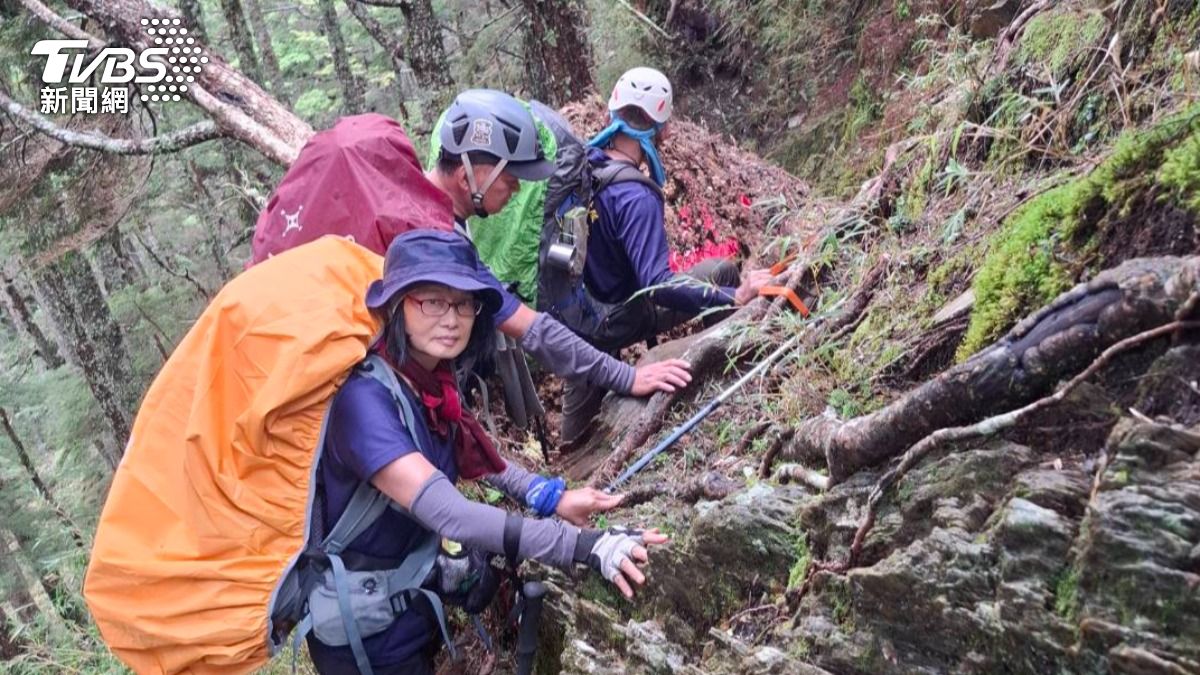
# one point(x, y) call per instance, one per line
point(427, 57)
point(193, 16)
point(558, 59)
point(262, 38)
point(36, 478)
point(109, 268)
point(352, 98)
point(23, 572)
point(239, 34)
point(390, 42)
point(89, 337)
point(22, 318)
point(239, 106)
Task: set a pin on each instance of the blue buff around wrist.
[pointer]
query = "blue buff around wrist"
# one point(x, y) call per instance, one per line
point(543, 495)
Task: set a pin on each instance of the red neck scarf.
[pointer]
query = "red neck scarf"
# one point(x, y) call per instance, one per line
point(474, 452)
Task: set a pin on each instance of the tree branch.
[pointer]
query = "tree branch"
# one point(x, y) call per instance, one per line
point(36, 479)
point(1050, 345)
point(402, 4)
point(185, 275)
point(157, 145)
point(711, 486)
point(236, 103)
point(60, 24)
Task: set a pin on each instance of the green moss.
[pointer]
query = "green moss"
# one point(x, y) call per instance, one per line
point(1180, 172)
point(1027, 263)
point(799, 568)
point(1066, 594)
point(842, 605)
point(865, 107)
point(1060, 40)
point(799, 648)
point(595, 589)
point(1023, 270)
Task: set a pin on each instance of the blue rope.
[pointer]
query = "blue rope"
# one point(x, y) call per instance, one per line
point(644, 139)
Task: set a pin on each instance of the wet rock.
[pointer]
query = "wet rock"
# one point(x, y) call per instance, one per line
point(736, 547)
point(987, 22)
point(1136, 567)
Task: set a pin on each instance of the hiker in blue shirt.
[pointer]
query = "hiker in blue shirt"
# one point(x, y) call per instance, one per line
point(437, 304)
point(627, 269)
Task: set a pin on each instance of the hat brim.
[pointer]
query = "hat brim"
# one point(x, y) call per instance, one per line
point(537, 170)
point(380, 294)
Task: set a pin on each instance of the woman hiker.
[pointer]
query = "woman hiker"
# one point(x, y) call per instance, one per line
point(435, 309)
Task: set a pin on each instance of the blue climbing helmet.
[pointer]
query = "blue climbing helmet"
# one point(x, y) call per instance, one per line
point(492, 122)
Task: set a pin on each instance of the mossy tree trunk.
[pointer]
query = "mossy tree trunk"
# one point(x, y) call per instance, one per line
point(90, 337)
point(427, 58)
point(352, 98)
point(22, 317)
point(239, 34)
point(558, 59)
point(266, 50)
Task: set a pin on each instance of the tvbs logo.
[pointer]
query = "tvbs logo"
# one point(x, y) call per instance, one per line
point(166, 68)
point(118, 63)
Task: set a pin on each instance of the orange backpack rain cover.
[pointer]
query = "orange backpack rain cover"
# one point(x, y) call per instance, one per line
point(207, 508)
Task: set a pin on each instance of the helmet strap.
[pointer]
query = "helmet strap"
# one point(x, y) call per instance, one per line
point(477, 192)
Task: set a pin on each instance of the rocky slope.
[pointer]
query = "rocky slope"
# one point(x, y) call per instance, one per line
point(1066, 543)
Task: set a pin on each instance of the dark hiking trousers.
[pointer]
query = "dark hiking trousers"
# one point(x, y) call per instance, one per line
point(641, 320)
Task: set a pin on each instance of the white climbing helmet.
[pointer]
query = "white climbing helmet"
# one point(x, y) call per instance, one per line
point(645, 88)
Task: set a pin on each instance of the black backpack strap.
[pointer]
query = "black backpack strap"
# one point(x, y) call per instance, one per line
point(621, 172)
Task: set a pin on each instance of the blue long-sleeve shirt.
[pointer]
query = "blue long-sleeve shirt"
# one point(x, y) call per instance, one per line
point(627, 251)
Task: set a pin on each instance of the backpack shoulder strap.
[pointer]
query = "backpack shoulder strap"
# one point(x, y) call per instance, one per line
point(364, 508)
point(621, 172)
point(367, 503)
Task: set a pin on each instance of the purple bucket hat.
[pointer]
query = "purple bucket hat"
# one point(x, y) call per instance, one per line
point(433, 256)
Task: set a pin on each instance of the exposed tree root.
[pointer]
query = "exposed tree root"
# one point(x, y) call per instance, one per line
point(755, 431)
point(1053, 343)
point(992, 426)
point(710, 485)
point(795, 473)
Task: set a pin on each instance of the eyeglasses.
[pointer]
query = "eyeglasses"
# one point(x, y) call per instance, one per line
point(439, 307)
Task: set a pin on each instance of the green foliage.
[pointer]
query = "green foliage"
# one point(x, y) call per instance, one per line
point(864, 108)
point(799, 569)
point(1180, 171)
point(1023, 271)
point(1066, 593)
point(316, 103)
point(1060, 39)
point(1028, 260)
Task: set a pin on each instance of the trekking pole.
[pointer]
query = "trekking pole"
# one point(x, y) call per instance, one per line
point(532, 593)
point(707, 410)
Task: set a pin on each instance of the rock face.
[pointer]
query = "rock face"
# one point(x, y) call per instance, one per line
point(1017, 555)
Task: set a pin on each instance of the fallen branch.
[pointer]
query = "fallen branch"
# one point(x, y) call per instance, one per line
point(753, 433)
point(994, 425)
point(156, 145)
point(711, 486)
point(53, 20)
point(777, 444)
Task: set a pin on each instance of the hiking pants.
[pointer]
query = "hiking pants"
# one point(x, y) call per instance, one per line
point(581, 401)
